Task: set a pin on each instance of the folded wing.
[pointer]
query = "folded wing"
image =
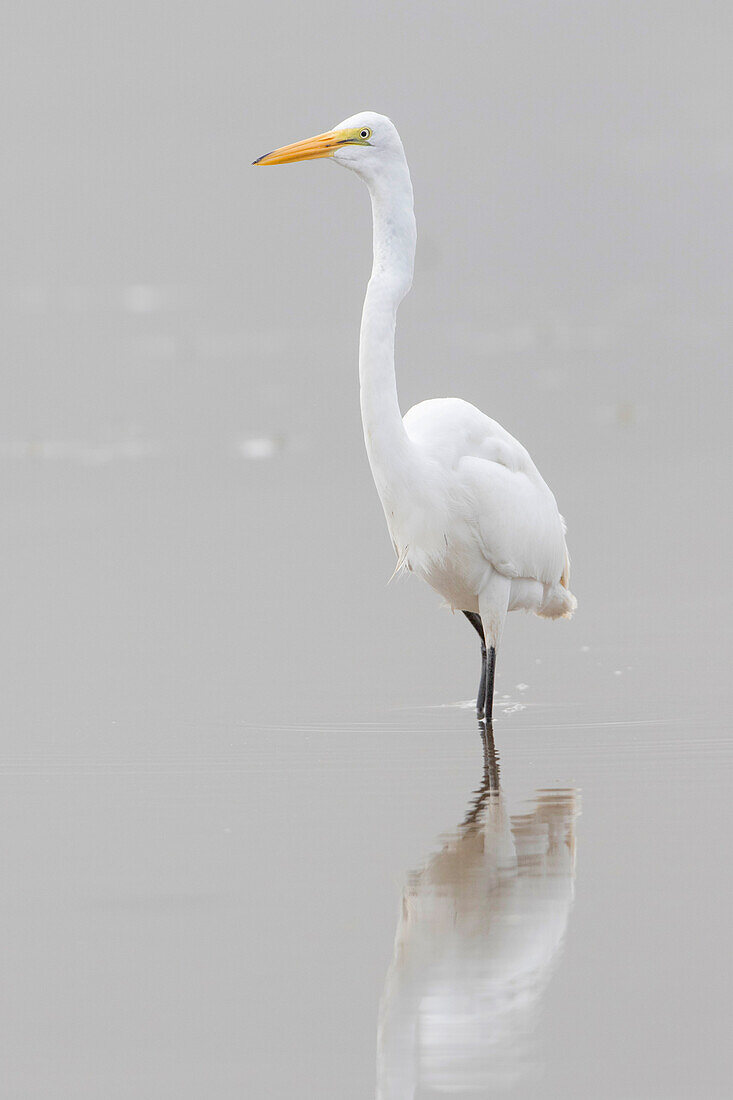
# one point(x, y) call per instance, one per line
point(516, 522)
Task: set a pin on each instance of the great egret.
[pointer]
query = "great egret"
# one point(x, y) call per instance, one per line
point(465, 505)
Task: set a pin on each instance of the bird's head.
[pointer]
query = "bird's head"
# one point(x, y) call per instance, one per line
point(367, 143)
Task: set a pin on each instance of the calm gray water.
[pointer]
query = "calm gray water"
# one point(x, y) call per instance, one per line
point(253, 843)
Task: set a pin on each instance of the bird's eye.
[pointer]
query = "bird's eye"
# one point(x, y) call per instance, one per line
point(364, 134)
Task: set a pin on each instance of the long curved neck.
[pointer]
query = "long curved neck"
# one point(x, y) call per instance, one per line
point(395, 235)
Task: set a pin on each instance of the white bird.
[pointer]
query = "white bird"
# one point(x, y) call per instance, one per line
point(465, 505)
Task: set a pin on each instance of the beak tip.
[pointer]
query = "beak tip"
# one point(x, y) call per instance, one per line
point(323, 145)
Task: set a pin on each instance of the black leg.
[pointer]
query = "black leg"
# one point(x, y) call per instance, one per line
point(475, 621)
point(481, 697)
point(489, 695)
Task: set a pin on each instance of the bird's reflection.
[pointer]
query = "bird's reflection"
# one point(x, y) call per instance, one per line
point(481, 927)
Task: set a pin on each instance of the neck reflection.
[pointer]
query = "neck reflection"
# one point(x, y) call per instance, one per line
point(480, 930)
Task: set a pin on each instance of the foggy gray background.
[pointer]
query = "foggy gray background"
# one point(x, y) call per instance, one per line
point(225, 741)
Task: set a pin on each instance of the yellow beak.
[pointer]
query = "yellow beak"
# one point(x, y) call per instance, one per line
point(323, 145)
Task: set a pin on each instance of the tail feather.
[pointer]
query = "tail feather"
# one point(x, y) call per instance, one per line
point(559, 602)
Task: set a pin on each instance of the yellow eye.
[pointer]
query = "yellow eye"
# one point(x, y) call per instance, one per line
point(365, 134)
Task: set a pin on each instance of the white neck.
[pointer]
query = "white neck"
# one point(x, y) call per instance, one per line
point(395, 234)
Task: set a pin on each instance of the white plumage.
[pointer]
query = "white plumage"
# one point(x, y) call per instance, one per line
point(496, 506)
point(465, 505)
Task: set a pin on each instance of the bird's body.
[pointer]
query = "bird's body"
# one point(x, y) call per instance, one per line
point(486, 512)
point(465, 505)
